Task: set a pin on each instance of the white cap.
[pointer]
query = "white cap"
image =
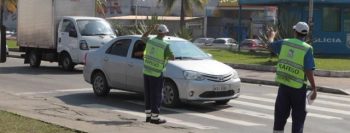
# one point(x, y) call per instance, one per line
point(162, 29)
point(301, 27)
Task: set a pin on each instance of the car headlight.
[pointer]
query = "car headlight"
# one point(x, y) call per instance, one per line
point(235, 74)
point(192, 75)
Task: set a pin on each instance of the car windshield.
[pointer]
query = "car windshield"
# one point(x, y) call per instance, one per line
point(94, 28)
point(186, 50)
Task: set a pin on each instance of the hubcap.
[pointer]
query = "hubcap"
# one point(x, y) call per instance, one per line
point(65, 62)
point(98, 84)
point(168, 94)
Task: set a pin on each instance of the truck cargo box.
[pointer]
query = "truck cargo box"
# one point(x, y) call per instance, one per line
point(38, 20)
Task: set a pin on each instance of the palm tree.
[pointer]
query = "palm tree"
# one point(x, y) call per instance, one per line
point(186, 7)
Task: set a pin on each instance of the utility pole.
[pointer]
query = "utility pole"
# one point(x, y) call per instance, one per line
point(3, 34)
point(311, 24)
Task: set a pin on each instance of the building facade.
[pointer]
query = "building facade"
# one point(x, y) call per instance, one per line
point(331, 30)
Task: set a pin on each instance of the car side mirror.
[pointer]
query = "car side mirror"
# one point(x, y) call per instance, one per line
point(73, 33)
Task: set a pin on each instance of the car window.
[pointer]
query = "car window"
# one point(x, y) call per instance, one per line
point(137, 51)
point(67, 26)
point(219, 41)
point(119, 48)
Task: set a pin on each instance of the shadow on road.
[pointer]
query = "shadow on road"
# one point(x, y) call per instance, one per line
point(38, 71)
point(131, 101)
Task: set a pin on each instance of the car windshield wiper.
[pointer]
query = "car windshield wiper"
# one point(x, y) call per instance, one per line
point(186, 58)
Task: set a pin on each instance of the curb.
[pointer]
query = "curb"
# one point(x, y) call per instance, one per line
point(319, 88)
point(322, 73)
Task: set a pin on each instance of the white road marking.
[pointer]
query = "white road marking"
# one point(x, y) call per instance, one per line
point(325, 96)
point(142, 115)
point(212, 117)
point(273, 108)
point(252, 113)
point(55, 91)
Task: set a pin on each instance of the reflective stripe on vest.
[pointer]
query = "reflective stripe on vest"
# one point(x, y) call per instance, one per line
point(154, 60)
point(290, 67)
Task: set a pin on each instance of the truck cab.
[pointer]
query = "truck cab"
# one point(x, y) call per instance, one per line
point(78, 35)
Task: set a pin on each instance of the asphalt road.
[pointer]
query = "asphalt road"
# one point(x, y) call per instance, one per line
point(252, 112)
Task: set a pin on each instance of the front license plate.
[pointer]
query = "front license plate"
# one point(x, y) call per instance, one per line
point(221, 88)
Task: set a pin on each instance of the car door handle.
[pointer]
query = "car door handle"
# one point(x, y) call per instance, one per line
point(131, 65)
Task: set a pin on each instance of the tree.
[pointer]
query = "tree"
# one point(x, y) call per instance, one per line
point(186, 7)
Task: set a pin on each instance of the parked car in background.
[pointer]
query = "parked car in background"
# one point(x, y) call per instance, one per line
point(252, 45)
point(203, 41)
point(192, 76)
point(224, 43)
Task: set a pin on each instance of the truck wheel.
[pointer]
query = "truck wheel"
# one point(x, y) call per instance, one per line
point(221, 102)
point(34, 59)
point(100, 85)
point(66, 62)
point(170, 94)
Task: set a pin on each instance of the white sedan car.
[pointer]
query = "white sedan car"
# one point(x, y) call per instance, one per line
point(192, 76)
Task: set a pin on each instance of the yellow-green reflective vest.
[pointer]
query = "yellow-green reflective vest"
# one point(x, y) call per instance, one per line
point(154, 60)
point(290, 67)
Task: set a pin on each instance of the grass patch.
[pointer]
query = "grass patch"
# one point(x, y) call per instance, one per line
point(263, 58)
point(12, 123)
point(11, 43)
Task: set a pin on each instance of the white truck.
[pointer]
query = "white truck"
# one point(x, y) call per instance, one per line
point(60, 31)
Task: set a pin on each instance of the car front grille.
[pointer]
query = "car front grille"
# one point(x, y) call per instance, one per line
point(220, 78)
point(214, 94)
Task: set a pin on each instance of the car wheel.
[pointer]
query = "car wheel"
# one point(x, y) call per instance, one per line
point(221, 102)
point(66, 62)
point(34, 59)
point(170, 94)
point(100, 85)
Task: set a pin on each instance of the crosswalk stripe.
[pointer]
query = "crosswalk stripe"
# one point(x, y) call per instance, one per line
point(252, 113)
point(310, 107)
point(337, 98)
point(142, 115)
point(273, 108)
point(212, 117)
point(347, 99)
point(55, 91)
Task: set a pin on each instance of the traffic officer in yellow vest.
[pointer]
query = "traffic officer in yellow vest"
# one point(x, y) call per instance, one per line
point(156, 55)
point(294, 68)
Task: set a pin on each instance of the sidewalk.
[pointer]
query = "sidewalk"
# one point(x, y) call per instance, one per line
point(324, 84)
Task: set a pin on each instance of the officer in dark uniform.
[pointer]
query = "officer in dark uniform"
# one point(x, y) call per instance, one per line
point(295, 67)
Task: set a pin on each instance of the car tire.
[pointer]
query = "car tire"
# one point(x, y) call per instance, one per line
point(34, 59)
point(66, 62)
point(170, 94)
point(221, 102)
point(100, 85)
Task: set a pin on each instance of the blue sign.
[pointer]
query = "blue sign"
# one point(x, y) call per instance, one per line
point(253, 2)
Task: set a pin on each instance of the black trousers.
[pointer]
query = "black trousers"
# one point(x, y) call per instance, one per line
point(153, 93)
point(288, 99)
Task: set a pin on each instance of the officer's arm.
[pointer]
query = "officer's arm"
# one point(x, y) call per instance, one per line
point(309, 71)
point(271, 34)
point(310, 77)
point(146, 34)
point(169, 53)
